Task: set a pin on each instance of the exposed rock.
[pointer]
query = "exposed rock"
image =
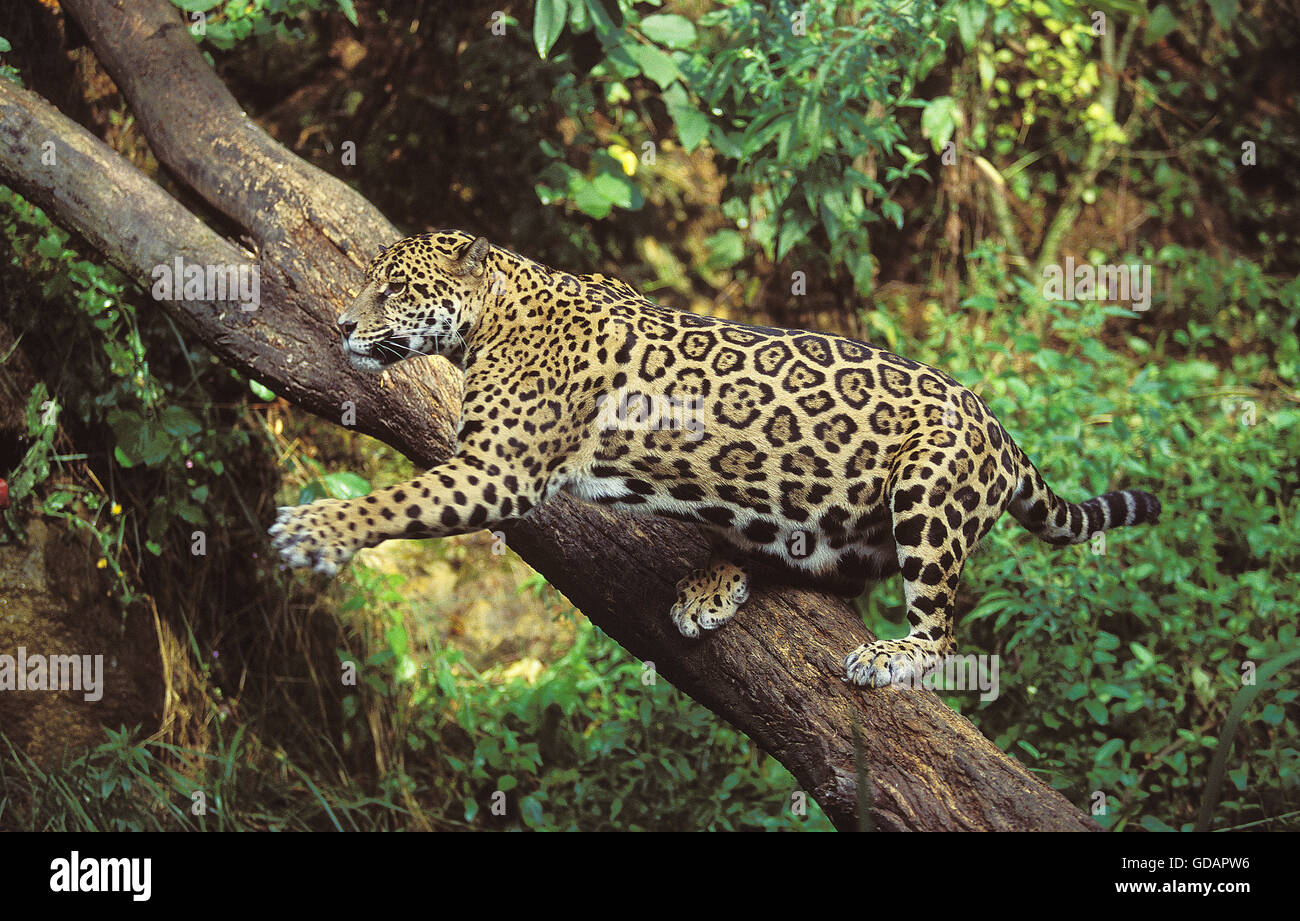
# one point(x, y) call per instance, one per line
point(53, 602)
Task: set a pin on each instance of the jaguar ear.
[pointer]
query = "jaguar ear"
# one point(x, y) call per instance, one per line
point(383, 248)
point(471, 261)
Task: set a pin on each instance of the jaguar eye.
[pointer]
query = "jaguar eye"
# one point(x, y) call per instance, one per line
point(395, 286)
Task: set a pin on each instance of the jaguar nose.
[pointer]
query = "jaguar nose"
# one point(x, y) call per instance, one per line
point(347, 326)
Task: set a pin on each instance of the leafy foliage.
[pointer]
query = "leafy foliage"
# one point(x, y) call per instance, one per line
point(594, 741)
point(225, 23)
point(7, 71)
point(96, 328)
point(805, 124)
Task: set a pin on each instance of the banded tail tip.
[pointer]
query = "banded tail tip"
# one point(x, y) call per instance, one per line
point(1148, 507)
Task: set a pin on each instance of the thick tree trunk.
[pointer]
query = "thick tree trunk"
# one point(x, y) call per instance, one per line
point(775, 672)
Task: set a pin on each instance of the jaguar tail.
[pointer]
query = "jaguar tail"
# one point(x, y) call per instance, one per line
point(1051, 518)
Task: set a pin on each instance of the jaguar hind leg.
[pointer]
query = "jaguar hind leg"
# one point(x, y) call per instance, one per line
point(709, 597)
point(942, 502)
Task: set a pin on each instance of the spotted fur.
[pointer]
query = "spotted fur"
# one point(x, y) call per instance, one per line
point(813, 459)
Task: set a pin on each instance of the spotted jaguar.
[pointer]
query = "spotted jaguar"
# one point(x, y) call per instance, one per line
point(810, 459)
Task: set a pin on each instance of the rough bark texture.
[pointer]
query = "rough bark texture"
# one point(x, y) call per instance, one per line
point(774, 672)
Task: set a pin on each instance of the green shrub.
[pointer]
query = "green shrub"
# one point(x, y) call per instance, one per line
point(593, 742)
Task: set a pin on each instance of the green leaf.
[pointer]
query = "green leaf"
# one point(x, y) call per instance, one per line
point(808, 120)
point(607, 21)
point(1108, 751)
point(892, 211)
point(5, 46)
point(534, 817)
point(794, 228)
point(1142, 654)
point(970, 22)
point(939, 121)
point(1161, 23)
point(624, 65)
point(692, 125)
point(180, 423)
point(397, 640)
point(50, 246)
point(196, 6)
point(57, 500)
point(656, 65)
point(548, 21)
point(261, 392)
point(190, 512)
point(345, 485)
point(349, 10)
point(221, 35)
point(489, 750)
point(727, 144)
point(983, 302)
point(668, 29)
point(1097, 710)
point(726, 248)
point(1225, 11)
point(1151, 823)
point(618, 191)
point(589, 200)
point(138, 441)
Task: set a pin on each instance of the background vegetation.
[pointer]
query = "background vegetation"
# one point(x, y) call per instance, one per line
point(920, 163)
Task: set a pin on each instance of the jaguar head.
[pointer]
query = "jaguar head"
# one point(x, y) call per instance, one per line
point(422, 296)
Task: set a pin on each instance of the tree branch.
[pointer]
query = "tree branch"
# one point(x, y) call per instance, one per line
point(775, 672)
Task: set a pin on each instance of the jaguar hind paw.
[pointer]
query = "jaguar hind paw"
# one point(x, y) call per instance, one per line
point(707, 598)
point(902, 662)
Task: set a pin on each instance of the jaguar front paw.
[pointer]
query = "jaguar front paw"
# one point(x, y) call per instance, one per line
point(902, 662)
point(306, 537)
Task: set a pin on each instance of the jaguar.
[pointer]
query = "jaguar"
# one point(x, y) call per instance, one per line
point(810, 459)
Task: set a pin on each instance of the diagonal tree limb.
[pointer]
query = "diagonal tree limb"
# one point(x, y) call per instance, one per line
point(774, 673)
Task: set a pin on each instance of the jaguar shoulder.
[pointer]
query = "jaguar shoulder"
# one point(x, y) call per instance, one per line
point(810, 458)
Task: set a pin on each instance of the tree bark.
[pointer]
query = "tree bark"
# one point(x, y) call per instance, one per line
point(775, 672)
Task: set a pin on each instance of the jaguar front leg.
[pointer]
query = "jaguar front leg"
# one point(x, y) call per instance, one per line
point(465, 494)
point(709, 597)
